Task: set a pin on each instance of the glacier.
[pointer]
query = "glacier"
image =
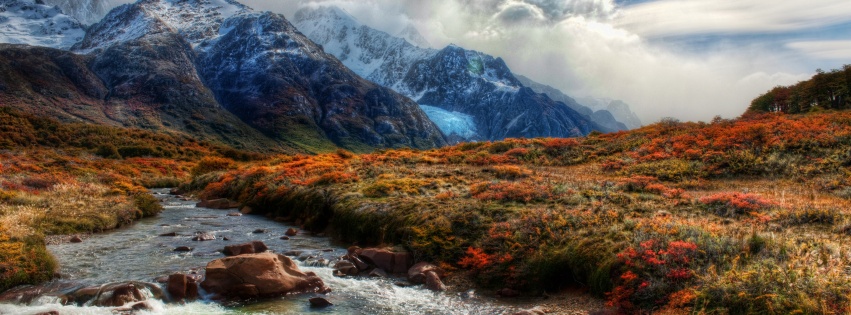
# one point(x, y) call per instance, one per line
point(450, 122)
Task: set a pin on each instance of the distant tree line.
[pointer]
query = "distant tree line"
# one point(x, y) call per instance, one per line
point(826, 90)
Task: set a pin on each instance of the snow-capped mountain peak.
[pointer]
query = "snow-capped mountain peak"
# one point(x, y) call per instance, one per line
point(197, 21)
point(371, 53)
point(413, 36)
point(26, 22)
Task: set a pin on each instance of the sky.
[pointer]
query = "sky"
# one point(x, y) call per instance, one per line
point(687, 59)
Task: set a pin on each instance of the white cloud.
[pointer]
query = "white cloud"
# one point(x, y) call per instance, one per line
point(827, 49)
point(681, 17)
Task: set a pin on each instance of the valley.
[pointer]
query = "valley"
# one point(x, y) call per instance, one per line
point(201, 156)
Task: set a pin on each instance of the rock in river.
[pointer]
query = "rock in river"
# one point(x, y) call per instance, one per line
point(204, 236)
point(258, 275)
point(246, 248)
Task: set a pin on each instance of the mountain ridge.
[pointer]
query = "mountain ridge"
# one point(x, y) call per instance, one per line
point(155, 55)
point(452, 79)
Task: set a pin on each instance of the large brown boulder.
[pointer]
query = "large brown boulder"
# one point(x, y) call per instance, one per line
point(182, 287)
point(258, 275)
point(417, 273)
point(432, 282)
point(247, 248)
point(392, 262)
point(118, 294)
point(345, 268)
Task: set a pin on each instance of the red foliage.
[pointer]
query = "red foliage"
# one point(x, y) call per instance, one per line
point(476, 258)
point(652, 262)
point(737, 203)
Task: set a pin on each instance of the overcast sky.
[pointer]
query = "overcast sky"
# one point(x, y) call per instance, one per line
point(688, 59)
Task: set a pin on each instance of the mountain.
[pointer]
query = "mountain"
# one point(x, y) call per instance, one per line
point(88, 12)
point(217, 69)
point(413, 36)
point(31, 23)
point(602, 117)
point(454, 85)
point(617, 108)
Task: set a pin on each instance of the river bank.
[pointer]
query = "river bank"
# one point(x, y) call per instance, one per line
point(139, 253)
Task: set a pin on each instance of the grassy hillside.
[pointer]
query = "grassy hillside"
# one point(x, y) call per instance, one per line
point(60, 178)
point(734, 216)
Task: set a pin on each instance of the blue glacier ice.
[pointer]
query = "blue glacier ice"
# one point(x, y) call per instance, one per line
point(451, 122)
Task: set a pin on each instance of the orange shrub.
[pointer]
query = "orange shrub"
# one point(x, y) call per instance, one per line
point(736, 204)
point(511, 191)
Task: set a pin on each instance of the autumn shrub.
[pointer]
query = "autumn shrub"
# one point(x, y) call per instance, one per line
point(668, 169)
point(500, 147)
point(385, 188)
point(24, 260)
point(160, 182)
point(810, 215)
point(524, 192)
point(108, 151)
point(510, 172)
point(558, 146)
point(333, 177)
point(147, 204)
point(613, 165)
point(138, 151)
point(736, 204)
point(652, 272)
point(211, 164)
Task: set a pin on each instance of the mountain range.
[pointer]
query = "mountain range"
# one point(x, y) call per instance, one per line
point(221, 71)
point(468, 94)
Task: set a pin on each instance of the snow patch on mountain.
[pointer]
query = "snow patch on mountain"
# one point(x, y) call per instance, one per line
point(451, 123)
point(25, 22)
point(87, 12)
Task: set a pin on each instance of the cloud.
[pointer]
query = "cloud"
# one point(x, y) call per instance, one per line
point(681, 17)
point(827, 49)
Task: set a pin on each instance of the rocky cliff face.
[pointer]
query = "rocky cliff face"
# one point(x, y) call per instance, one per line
point(264, 61)
point(459, 83)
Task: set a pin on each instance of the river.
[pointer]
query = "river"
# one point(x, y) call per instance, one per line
point(138, 253)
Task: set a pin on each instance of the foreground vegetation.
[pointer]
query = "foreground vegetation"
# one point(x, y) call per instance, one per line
point(58, 179)
point(732, 216)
